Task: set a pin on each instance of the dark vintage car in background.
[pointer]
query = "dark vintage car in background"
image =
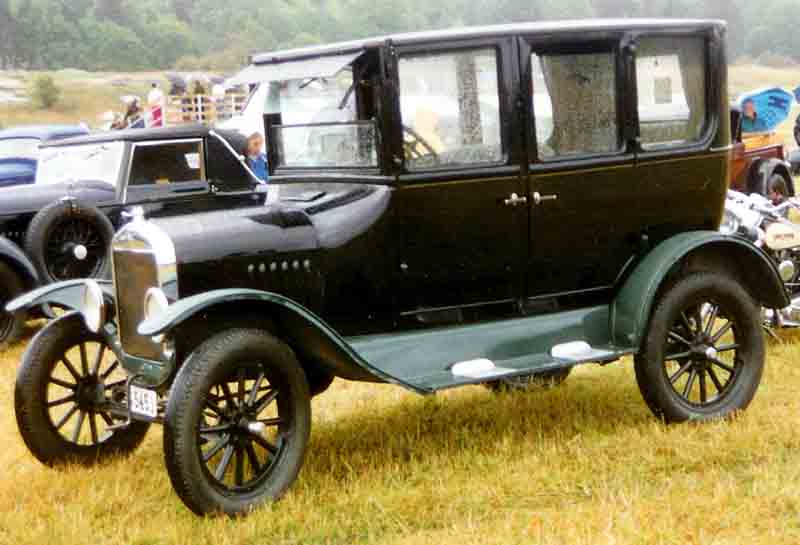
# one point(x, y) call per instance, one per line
point(19, 150)
point(567, 215)
point(60, 227)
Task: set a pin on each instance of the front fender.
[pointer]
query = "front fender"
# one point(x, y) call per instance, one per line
point(16, 258)
point(633, 303)
point(67, 294)
point(307, 333)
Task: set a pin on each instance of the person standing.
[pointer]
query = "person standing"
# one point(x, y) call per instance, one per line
point(155, 102)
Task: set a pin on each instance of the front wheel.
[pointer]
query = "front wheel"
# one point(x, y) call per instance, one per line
point(703, 355)
point(237, 423)
point(70, 391)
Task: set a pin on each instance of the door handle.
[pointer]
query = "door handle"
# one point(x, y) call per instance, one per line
point(538, 198)
point(514, 200)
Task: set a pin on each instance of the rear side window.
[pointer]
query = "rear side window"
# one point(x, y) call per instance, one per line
point(575, 104)
point(671, 81)
point(164, 164)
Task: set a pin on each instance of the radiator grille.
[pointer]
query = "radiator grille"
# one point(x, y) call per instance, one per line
point(135, 271)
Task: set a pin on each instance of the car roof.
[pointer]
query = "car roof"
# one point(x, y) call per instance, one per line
point(43, 132)
point(437, 36)
point(137, 135)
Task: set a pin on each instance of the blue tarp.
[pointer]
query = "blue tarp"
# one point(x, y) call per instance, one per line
point(772, 108)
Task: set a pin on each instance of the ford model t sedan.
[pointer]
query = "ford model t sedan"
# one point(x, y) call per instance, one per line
point(479, 206)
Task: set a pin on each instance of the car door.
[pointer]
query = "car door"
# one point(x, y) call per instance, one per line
point(460, 201)
point(583, 227)
point(168, 177)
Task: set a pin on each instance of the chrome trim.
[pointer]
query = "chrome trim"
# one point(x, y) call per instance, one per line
point(145, 239)
point(723, 148)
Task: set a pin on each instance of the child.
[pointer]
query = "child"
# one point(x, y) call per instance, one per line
point(255, 158)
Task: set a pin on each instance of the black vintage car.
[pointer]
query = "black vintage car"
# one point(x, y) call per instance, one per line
point(60, 227)
point(476, 206)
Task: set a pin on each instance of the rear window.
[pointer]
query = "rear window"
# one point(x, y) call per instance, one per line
point(167, 163)
point(671, 81)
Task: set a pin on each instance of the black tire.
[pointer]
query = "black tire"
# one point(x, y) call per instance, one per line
point(58, 231)
point(11, 324)
point(778, 188)
point(202, 395)
point(676, 356)
point(527, 383)
point(43, 388)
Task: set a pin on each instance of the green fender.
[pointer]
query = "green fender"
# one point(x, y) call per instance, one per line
point(631, 308)
point(306, 331)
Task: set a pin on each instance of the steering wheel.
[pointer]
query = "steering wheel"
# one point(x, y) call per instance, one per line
point(416, 147)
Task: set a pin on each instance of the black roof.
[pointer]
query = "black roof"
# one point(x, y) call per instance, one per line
point(137, 135)
point(437, 36)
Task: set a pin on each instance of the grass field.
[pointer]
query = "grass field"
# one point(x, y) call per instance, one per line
point(585, 463)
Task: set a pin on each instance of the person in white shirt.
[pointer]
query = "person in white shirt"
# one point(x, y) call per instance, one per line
point(155, 103)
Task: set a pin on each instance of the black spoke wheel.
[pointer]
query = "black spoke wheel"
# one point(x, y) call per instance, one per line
point(69, 239)
point(237, 423)
point(70, 391)
point(11, 286)
point(704, 354)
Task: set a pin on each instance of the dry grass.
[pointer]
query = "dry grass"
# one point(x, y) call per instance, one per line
point(582, 464)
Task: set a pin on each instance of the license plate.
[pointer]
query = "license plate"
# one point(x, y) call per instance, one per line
point(144, 402)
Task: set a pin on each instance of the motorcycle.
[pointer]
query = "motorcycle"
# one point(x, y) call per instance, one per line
point(768, 226)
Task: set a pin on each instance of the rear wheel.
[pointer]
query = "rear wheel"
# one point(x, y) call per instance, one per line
point(237, 423)
point(68, 386)
point(703, 355)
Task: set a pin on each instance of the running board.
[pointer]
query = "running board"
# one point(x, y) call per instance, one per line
point(435, 359)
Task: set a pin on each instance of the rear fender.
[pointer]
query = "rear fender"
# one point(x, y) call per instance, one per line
point(308, 335)
point(630, 311)
point(11, 254)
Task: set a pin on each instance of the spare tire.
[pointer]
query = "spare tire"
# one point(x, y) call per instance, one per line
point(69, 239)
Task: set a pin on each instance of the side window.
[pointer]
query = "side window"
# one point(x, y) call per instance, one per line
point(450, 109)
point(167, 163)
point(575, 104)
point(671, 82)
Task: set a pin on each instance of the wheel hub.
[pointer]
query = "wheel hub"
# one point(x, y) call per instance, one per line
point(89, 393)
point(80, 252)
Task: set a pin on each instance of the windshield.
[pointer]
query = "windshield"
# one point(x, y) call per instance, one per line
point(92, 162)
point(320, 123)
point(19, 148)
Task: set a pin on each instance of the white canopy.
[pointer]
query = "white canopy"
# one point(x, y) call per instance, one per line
point(319, 67)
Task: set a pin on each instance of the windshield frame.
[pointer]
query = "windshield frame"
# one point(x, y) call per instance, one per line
point(122, 169)
point(378, 145)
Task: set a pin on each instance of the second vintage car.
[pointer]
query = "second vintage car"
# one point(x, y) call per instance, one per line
point(523, 221)
point(60, 227)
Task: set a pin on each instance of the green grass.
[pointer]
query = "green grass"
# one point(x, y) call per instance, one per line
point(585, 463)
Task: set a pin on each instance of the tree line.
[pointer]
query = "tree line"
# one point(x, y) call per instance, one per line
point(163, 34)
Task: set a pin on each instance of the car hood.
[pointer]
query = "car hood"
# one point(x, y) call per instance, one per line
point(289, 226)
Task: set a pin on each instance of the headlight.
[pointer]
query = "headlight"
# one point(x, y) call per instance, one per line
point(94, 306)
point(155, 302)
